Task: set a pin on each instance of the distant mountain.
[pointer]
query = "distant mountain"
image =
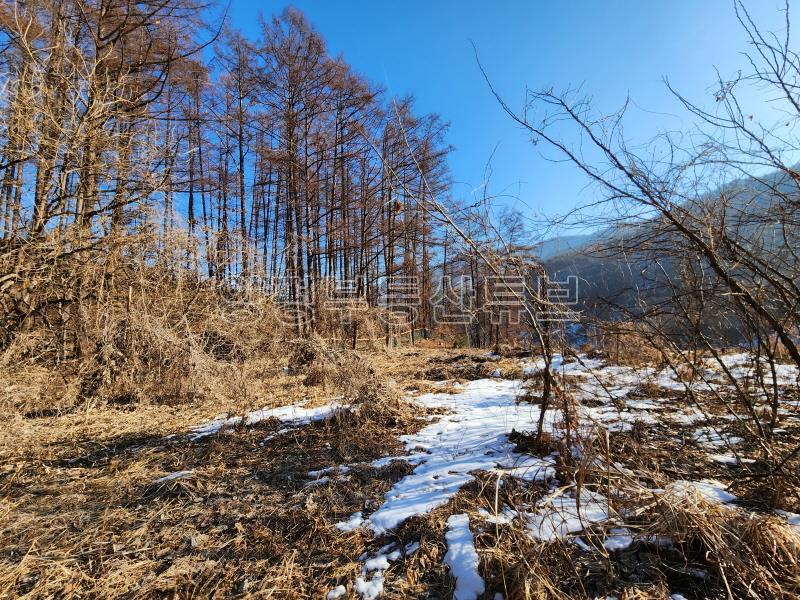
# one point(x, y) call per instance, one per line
point(565, 244)
point(608, 277)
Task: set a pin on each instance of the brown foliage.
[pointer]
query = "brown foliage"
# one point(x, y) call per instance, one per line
point(625, 343)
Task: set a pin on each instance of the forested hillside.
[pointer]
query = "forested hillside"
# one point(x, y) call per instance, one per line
point(633, 263)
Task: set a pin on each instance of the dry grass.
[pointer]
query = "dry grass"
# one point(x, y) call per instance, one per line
point(625, 344)
point(82, 514)
point(241, 522)
point(712, 551)
point(750, 555)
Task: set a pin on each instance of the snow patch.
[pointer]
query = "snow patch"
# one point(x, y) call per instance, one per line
point(708, 436)
point(354, 522)
point(557, 517)
point(793, 519)
point(410, 548)
point(369, 590)
point(370, 587)
point(462, 559)
point(327, 470)
point(473, 436)
point(294, 414)
point(620, 538)
point(504, 517)
point(710, 489)
point(175, 475)
point(730, 459)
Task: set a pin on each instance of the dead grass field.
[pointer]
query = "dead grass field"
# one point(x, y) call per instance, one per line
point(85, 511)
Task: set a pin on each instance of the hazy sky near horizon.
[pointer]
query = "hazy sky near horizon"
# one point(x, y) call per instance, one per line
point(611, 48)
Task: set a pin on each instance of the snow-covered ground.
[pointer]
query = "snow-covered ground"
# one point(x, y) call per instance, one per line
point(293, 415)
point(561, 514)
point(472, 435)
point(462, 558)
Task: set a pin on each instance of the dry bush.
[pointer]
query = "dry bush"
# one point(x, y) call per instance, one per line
point(372, 398)
point(625, 343)
point(746, 555)
point(179, 343)
point(328, 366)
point(120, 332)
point(526, 569)
point(533, 377)
point(36, 391)
point(345, 323)
point(780, 351)
point(448, 336)
point(743, 555)
point(771, 490)
point(425, 387)
point(687, 372)
point(752, 555)
point(469, 367)
point(646, 389)
point(527, 442)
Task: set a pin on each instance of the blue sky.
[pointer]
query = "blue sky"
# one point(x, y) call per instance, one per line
point(612, 48)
